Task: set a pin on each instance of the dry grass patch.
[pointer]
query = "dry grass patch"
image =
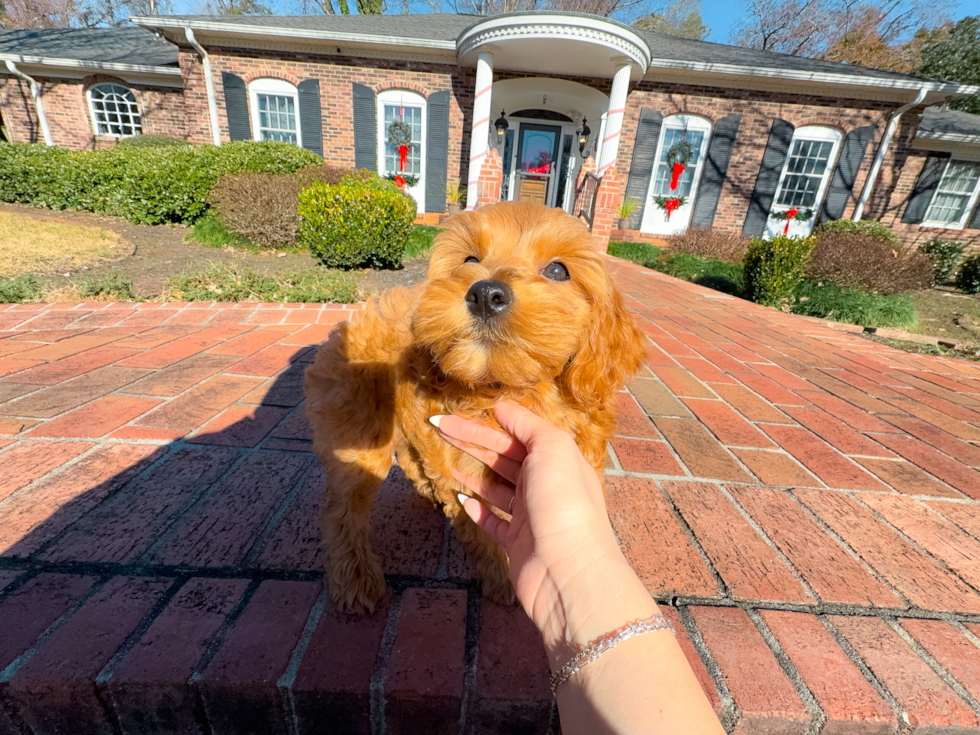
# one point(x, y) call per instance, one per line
point(40, 245)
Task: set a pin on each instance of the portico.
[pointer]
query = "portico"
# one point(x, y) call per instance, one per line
point(553, 124)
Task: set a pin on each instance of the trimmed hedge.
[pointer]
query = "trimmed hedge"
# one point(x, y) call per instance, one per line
point(146, 185)
point(968, 279)
point(774, 268)
point(867, 227)
point(358, 222)
point(946, 256)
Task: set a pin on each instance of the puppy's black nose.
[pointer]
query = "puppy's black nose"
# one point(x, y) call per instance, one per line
point(487, 299)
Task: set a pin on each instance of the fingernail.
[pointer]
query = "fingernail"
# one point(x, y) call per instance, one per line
point(434, 420)
point(462, 498)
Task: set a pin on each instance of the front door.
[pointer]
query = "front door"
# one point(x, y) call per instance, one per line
point(537, 163)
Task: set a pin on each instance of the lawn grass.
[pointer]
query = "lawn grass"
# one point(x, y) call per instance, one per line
point(218, 282)
point(639, 252)
point(17, 290)
point(29, 244)
point(948, 314)
point(420, 241)
point(850, 306)
point(211, 233)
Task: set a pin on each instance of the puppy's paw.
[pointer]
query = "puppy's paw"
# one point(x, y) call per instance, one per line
point(356, 587)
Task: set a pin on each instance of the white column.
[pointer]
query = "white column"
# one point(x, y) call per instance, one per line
point(614, 119)
point(479, 133)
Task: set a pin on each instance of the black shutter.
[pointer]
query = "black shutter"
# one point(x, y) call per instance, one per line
point(436, 150)
point(925, 187)
point(715, 169)
point(851, 156)
point(780, 136)
point(641, 165)
point(365, 129)
point(974, 223)
point(236, 107)
point(310, 123)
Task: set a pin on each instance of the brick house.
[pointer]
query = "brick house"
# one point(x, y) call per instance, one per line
point(524, 106)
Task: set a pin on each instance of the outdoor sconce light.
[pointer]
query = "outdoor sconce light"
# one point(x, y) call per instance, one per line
point(583, 137)
point(501, 125)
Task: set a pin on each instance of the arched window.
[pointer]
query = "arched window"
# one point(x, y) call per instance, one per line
point(397, 105)
point(804, 179)
point(114, 110)
point(696, 131)
point(275, 111)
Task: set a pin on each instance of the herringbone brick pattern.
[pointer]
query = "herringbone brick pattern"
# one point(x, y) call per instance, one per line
point(802, 501)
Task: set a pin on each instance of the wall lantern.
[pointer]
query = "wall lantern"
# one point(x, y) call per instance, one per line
point(583, 137)
point(501, 125)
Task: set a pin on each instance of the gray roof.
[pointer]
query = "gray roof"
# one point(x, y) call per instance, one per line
point(448, 26)
point(936, 121)
point(102, 45)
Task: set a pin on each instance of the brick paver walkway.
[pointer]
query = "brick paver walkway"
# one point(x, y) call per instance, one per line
point(803, 500)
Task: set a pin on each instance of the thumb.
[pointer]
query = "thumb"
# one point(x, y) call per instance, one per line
point(525, 426)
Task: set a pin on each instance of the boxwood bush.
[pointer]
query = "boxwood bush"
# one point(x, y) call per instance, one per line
point(146, 185)
point(946, 257)
point(774, 268)
point(358, 222)
point(968, 279)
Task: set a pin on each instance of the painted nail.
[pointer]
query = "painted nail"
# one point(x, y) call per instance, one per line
point(434, 420)
point(462, 498)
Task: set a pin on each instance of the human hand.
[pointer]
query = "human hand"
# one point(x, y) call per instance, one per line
point(564, 558)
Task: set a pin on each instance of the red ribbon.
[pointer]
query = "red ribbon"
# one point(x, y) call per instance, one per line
point(790, 216)
point(676, 172)
point(671, 205)
point(400, 182)
point(403, 153)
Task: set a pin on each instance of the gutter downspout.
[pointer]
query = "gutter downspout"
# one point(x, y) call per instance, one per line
point(42, 119)
point(208, 85)
point(880, 154)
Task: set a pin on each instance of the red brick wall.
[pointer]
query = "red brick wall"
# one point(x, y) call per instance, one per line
point(161, 108)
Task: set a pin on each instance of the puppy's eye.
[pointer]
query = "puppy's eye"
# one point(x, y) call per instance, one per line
point(472, 259)
point(555, 271)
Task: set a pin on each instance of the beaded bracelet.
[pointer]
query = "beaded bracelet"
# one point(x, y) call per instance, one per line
point(603, 643)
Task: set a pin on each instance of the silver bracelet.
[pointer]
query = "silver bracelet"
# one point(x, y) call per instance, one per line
point(603, 643)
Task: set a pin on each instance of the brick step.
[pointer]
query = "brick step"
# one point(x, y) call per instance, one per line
point(83, 654)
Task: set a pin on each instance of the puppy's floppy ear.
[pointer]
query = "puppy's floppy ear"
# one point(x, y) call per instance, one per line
point(612, 352)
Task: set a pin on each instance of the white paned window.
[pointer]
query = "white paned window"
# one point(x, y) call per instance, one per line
point(114, 110)
point(275, 111)
point(676, 128)
point(408, 107)
point(955, 196)
point(804, 179)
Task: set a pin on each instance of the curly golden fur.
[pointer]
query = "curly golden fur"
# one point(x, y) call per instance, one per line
point(561, 348)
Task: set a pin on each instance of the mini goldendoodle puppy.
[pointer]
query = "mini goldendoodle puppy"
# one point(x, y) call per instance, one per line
point(518, 306)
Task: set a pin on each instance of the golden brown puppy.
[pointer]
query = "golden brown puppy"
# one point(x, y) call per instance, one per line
point(518, 306)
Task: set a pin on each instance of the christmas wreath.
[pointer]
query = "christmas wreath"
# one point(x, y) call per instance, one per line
point(403, 181)
point(400, 136)
point(792, 214)
point(677, 159)
point(669, 204)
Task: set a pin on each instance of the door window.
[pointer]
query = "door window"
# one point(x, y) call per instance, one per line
point(804, 179)
point(408, 107)
point(695, 131)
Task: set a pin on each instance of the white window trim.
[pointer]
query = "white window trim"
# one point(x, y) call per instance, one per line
point(677, 122)
point(95, 119)
point(405, 98)
point(809, 132)
point(971, 204)
point(279, 88)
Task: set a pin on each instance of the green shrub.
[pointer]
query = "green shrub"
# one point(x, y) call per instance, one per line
point(968, 279)
point(222, 283)
point(868, 227)
point(16, 290)
point(145, 185)
point(355, 223)
point(829, 301)
point(720, 283)
point(638, 252)
point(774, 268)
point(151, 141)
point(264, 207)
point(946, 256)
point(691, 267)
point(111, 285)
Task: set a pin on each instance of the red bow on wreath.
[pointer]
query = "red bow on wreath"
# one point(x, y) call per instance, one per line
point(403, 154)
point(670, 206)
point(399, 181)
point(790, 214)
point(676, 172)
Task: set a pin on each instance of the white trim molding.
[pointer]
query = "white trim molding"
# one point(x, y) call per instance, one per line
point(92, 66)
